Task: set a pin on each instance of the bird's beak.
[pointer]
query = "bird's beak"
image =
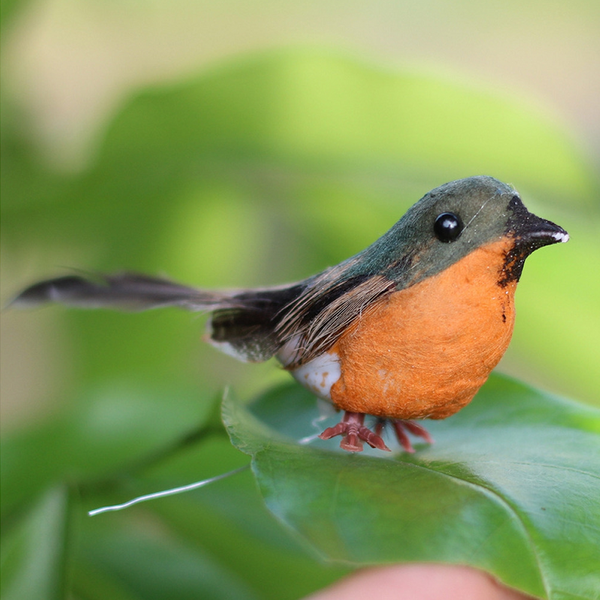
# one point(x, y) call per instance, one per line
point(533, 232)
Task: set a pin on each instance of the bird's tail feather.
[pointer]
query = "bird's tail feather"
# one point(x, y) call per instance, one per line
point(243, 323)
point(121, 291)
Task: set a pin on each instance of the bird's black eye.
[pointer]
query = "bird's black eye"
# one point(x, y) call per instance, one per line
point(447, 227)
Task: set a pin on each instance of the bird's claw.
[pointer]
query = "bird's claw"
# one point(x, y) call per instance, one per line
point(354, 434)
point(401, 428)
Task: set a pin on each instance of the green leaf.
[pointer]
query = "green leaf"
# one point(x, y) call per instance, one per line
point(159, 568)
point(105, 435)
point(34, 554)
point(329, 112)
point(511, 486)
point(229, 520)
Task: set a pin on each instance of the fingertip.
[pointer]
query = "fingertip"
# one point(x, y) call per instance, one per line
point(418, 582)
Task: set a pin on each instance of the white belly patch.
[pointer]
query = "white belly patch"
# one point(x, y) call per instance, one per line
point(318, 374)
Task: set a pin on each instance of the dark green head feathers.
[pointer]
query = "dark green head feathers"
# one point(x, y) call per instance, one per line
point(448, 223)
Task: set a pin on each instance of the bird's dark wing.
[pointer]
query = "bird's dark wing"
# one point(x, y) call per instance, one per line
point(248, 331)
point(328, 305)
point(123, 291)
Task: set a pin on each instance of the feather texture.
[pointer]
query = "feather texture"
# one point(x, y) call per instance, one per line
point(123, 291)
point(326, 308)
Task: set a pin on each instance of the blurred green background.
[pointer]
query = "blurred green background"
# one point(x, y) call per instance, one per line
point(233, 144)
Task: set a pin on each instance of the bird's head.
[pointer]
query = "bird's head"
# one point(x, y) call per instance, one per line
point(454, 220)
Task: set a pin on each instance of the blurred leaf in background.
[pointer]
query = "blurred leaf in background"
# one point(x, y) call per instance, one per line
point(260, 170)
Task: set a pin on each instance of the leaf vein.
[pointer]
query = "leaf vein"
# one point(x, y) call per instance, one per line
point(490, 491)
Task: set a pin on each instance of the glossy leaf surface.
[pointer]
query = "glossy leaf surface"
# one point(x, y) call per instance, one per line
point(510, 486)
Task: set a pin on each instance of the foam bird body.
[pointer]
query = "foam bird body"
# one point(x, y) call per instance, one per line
point(409, 328)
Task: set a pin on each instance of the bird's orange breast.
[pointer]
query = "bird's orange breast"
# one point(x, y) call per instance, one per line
point(427, 349)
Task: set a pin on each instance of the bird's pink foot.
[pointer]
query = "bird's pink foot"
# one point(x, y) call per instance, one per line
point(402, 428)
point(354, 433)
